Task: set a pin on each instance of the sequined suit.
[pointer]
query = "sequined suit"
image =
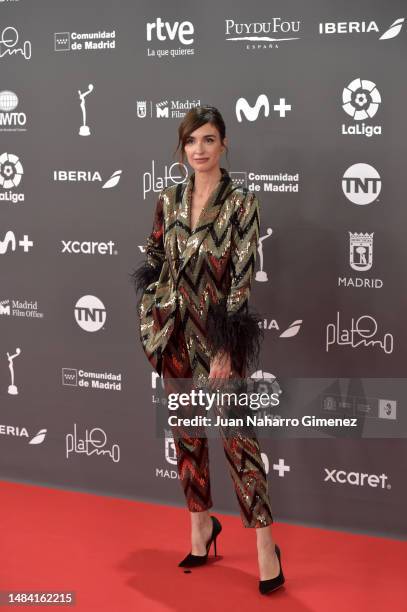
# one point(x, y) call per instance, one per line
point(195, 291)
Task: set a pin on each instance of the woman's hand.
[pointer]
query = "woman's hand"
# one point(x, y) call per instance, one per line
point(221, 366)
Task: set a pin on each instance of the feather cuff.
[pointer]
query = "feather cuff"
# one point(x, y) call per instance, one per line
point(236, 333)
point(144, 275)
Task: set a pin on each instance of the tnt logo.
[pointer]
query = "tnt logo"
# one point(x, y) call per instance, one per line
point(90, 313)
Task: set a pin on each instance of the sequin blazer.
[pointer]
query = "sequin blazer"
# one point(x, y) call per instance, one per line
point(205, 273)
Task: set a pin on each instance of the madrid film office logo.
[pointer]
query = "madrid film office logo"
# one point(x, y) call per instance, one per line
point(90, 313)
point(361, 100)
point(361, 184)
point(165, 109)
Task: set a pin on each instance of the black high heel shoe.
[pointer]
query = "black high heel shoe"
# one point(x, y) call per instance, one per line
point(196, 560)
point(266, 586)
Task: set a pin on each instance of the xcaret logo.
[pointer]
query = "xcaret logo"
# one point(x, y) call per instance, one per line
point(88, 247)
point(357, 479)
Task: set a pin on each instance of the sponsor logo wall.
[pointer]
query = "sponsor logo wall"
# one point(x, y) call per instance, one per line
point(90, 103)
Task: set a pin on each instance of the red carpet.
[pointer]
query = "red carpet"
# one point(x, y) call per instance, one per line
point(120, 555)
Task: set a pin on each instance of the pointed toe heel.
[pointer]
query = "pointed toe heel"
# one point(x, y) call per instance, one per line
point(195, 560)
point(267, 586)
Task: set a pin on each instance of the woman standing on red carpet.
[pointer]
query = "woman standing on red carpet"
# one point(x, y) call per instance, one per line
point(195, 323)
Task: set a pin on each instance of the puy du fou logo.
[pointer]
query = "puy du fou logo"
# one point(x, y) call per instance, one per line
point(258, 35)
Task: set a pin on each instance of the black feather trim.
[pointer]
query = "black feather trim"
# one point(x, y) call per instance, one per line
point(144, 275)
point(238, 334)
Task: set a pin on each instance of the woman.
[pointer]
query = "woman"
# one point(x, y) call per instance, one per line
point(195, 323)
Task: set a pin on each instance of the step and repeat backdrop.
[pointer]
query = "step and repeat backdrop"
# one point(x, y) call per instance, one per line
point(313, 95)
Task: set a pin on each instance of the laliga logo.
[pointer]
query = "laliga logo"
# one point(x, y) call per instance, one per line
point(11, 170)
point(361, 99)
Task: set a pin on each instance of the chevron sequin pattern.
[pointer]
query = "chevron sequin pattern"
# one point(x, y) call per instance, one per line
point(242, 453)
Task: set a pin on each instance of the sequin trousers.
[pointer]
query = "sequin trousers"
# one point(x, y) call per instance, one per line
point(242, 453)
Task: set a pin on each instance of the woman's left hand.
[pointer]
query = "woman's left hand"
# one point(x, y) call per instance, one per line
point(221, 366)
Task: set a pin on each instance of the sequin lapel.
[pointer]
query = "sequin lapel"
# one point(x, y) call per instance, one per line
point(188, 242)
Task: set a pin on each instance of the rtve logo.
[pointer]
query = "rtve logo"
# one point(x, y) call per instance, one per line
point(164, 30)
point(90, 313)
point(361, 184)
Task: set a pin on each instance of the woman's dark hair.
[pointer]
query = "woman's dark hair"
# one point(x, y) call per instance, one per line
point(194, 119)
